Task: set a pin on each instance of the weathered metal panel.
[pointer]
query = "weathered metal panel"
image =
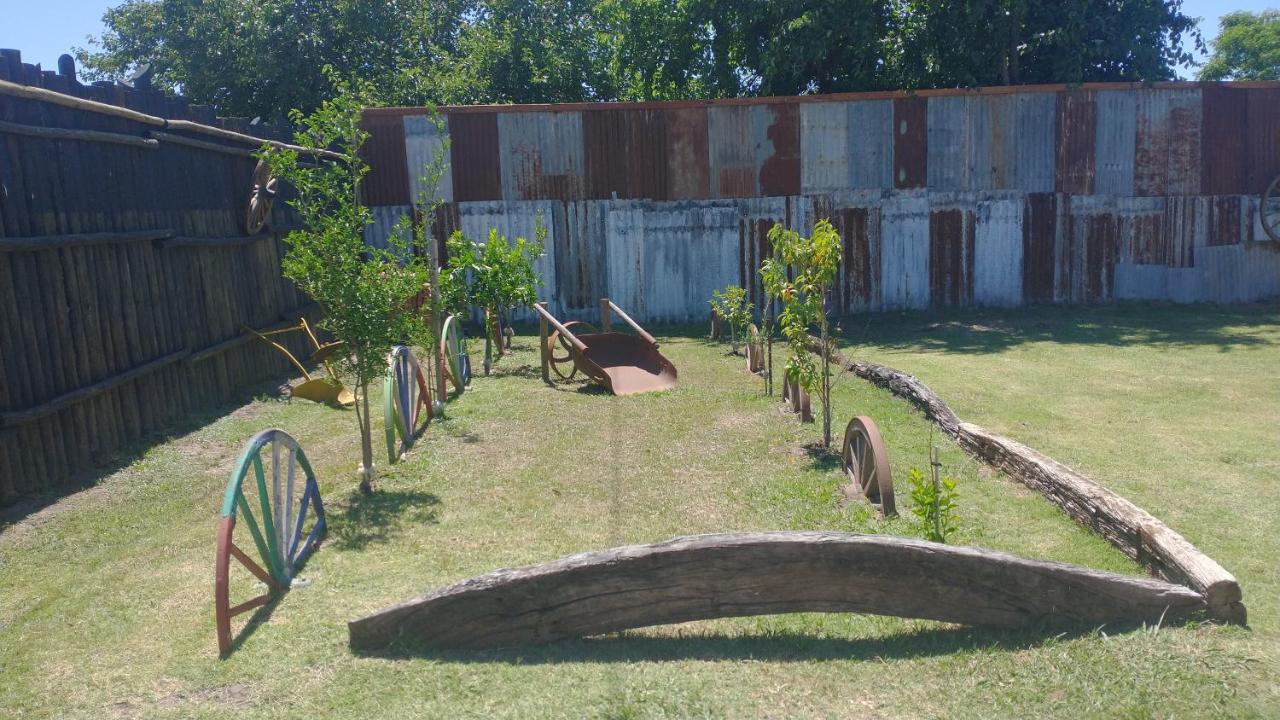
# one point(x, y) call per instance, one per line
point(825, 147)
point(910, 142)
point(756, 217)
point(1039, 243)
point(541, 155)
point(997, 252)
point(688, 169)
point(624, 154)
point(1077, 135)
point(581, 272)
point(1117, 118)
point(1224, 158)
point(950, 159)
point(518, 220)
point(951, 240)
point(1167, 150)
point(856, 216)
point(870, 144)
point(1025, 158)
point(904, 252)
point(388, 180)
point(776, 129)
point(1263, 139)
point(385, 218)
point(1227, 222)
point(732, 152)
point(424, 141)
point(473, 157)
point(1088, 251)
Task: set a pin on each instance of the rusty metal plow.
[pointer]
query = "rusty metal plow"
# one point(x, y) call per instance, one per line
point(622, 363)
point(328, 390)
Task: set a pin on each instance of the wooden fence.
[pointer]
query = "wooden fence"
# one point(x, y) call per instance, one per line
point(126, 276)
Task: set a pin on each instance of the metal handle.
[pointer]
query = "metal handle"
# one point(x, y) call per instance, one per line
point(577, 344)
point(627, 319)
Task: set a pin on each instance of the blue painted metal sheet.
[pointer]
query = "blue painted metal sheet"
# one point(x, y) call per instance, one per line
point(424, 144)
point(904, 251)
point(998, 252)
point(1116, 133)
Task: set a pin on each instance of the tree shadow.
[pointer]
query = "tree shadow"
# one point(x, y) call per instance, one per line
point(379, 517)
point(520, 371)
point(822, 459)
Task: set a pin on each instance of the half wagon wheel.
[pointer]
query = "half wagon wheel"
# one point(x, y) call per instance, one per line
point(405, 397)
point(261, 196)
point(1269, 210)
point(866, 464)
point(457, 362)
point(563, 365)
point(280, 504)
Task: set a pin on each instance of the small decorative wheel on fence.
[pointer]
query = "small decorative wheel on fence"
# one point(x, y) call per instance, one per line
point(458, 363)
point(406, 401)
point(563, 365)
point(279, 510)
point(1269, 210)
point(261, 196)
point(866, 464)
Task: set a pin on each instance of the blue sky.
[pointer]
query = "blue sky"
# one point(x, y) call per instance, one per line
point(44, 30)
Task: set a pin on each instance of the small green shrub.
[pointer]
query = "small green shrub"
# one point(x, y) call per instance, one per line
point(732, 307)
point(933, 502)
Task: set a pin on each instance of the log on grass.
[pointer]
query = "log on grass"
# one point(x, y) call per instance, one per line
point(742, 574)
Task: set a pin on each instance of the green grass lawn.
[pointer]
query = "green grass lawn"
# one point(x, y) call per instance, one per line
point(106, 595)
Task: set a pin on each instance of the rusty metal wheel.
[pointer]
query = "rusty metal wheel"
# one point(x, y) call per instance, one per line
point(261, 197)
point(563, 365)
point(1269, 210)
point(866, 464)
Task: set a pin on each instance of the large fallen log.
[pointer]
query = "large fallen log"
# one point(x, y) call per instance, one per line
point(741, 574)
point(1132, 530)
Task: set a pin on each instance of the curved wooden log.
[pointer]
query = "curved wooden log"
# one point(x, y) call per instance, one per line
point(740, 574)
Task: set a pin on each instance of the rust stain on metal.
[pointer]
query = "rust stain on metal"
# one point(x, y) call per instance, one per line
point(688, 174)
point(860, 266)
point(1167, 152)
point(737, 182)
point(1224, 161)
point(780, 172)
point(1039, 230)
point(1225, 225)
point(1097, 232)
point(1263, 139)
point(910, 142)
point(1150, 241)
point(446, 222)
point(951, 238)
point(1076, 142)
point(388, 180)
point(473, 155)
point(624, 154)
point(754, 248)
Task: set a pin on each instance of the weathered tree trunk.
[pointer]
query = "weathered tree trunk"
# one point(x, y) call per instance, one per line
point(741, 574)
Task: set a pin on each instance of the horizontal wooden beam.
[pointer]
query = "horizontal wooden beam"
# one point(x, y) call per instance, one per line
point(1132, 530)
point(13, 418)
point(740, 574)
point(288, 319)
point(56, 242)
point(200, 144)
point(213, 242)
point(57, 133)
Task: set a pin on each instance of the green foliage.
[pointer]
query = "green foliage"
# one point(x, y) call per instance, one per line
point(1247, 48)
point(361, 290)
point(933, 502)
point(495, 275)
point(732, 307)
point(813, 262)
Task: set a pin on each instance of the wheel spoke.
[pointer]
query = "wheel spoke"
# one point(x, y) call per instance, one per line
point(269, 529)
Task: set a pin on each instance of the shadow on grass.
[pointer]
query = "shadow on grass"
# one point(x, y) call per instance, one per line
point(822, 459)
point(363, 520)
point(771, 647)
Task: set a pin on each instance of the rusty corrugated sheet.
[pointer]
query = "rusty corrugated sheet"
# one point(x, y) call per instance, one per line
point(1227, 220)
point(388, 180)
point(1224, 168)
point(581, 271)
point(1077, 137)
point(777, 132)
point(756, 216)
point(1087, 257)
point(1117, 118)
point(625, 154)
point(688, 169)
point(732, 152)
point(951, 239)
point(473, 155)
point(424, 143)
point(541, 155)
point(1167, 151)
point(904, 251)
point(1263, 139)
point(1039, 242)
point(910, 142)
point(997, 252)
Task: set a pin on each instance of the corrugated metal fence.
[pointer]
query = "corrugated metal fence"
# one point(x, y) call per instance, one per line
point(996, 197)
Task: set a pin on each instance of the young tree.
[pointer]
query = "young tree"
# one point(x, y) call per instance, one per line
point(813, 261)
point(362, 290)
point(732, 307)
point(1247, 48)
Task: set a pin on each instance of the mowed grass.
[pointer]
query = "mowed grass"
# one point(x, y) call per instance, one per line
point(106, 596)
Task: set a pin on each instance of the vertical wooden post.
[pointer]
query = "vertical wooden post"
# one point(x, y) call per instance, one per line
point(606, 315)
point(543, 350)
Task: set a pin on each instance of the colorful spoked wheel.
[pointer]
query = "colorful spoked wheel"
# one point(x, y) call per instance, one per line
point(406, 402)
point(274, 498)
point(1269, 210)
point(457, 362)
point(866, 464)
point(262, 195)
point(563, 365)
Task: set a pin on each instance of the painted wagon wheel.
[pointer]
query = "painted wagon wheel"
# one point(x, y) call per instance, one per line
point(405, 397)
point(1269, 210)
point(282, 502)
point(866, 464)
point(560, 362)
point(457, 362)
point(261, 196)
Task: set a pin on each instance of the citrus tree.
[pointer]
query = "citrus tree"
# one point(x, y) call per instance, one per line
point(813, 262)
point(732, 307)
point(360, 289)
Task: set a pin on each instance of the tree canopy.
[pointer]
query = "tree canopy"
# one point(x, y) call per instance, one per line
point(265, 57)
point(1247, 48)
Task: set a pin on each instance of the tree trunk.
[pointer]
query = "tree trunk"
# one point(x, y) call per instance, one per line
point(366, 436)
point(826, 386)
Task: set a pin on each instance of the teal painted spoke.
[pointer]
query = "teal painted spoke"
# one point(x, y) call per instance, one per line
point(269, 527)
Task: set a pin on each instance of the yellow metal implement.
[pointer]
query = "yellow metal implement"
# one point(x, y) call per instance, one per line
point(322, 390)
